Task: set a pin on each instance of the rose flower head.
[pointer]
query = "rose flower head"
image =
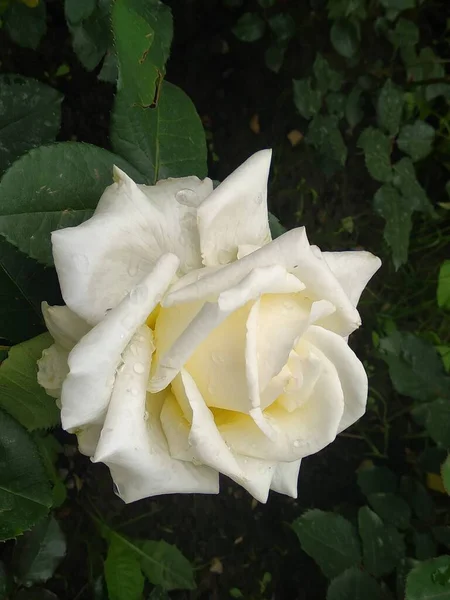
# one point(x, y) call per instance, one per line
point(191, 344)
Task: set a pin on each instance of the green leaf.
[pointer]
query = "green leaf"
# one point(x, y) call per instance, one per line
point(430, 580)
point(398, 4)
point(165, 141)
point(438, 421)
point(20, 394)
point(354, 107)
point(22, 284)
point(418, 498)
point(143, 34)
point(327, 78)
point(166, 566)
point(91, 35)
point(396, 211)
point(306, 100)
point(346, 8)
point(445, 473)
point(158, 593)
point(406, 33)
point(249, 27)
point(405, 181)
point(344, 37)
point(274, 57)
point(78, 10)
point(377, 152)
point(415, 368)
point(63, 185)
point(276, 228)
point(26, 26)
point(416, 140)
point(38, 552)
point(335, 102)
point(391, 508)
point(354, 584)
point(283, 26)
point(49, 449)
point(123, 574)
point(443, 287)
point(25, 494)
point(329, 539)
point(383, 545)
point(109, 71)
point(390, 107)
point(403, 570)
point(30, 115)
point(325, 136)
point(377, 480)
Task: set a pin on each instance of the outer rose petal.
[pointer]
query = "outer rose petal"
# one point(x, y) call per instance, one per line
point(88, 438)
point(236, 212)
point(285, 478)
point(53, 369)
point(133, 445)
point(292, 251)
point(201, 441)
point(94, 360)
point(352, 374)
point(353, 270)
point(99, 261)
point(65, 327)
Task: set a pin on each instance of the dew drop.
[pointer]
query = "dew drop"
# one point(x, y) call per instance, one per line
point(259, 199)
point(187, 197)
point(146, 415)
point(133, 268)
point(297, 443)
point(81, 262)
point(139, 294)
point(217, 358)
point(139, 368)
point(134, 391)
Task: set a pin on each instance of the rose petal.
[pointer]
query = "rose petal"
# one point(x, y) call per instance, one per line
point(353, 270)
point(292, 251)
point(65, 327)
point(88, 438)
point(285, 478)
point(203, 337)
point(351, 372)
point(235, 213)
point(99, 261)
point(53, 369)
point(132, 443)
point(94, 360)
point(201, 441)
point(299, 433)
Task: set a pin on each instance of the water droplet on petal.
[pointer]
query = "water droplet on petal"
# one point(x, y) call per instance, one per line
point(258, 199)
point(298, 443)
point(81, 262)
point(139, 368)
point(146, 415)
point(139, 294)
point(133, 268)
point(187, 197)
point(134, 391)
point(217, 358)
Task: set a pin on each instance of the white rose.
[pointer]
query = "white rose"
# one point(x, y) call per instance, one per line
point(193, 345)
